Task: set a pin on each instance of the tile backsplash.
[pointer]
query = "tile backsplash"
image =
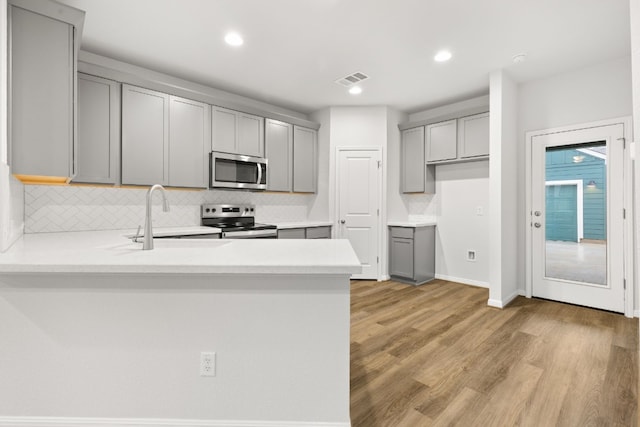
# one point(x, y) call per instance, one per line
point(79, 208)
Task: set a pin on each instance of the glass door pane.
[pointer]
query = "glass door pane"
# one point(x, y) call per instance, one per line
point(576, 213)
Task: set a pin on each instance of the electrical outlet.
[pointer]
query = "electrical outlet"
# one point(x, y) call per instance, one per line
point(479, 211)
point(208, 364)
point(471, 255)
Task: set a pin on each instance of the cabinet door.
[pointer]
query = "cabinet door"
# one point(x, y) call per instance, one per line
point(413, 161)
point(145, 131)
point(278, 150)
point(304, 160)
point(41, 94)
point(319, 232)
point(250, 135)
point(188, 143)
point(291, 233)
point(98, 156)
point(223, 130)
point(473, 136)
point(401, 264)
point(441, 141)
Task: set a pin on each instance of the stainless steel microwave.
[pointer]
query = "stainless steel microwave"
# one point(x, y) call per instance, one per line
point(237, 171)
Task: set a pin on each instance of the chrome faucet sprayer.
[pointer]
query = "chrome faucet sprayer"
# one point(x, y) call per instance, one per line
point(148, 229)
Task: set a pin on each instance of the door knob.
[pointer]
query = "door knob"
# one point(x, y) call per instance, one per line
point(537, 225)
point(537, 213)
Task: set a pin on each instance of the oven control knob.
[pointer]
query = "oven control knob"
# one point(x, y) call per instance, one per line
point(213, 210)
point(246, 209)
point(207, 210)
point(251, 209)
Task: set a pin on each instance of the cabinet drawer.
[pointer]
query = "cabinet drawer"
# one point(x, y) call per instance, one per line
point(291, 233)
point(319, 233)
point(402, 232)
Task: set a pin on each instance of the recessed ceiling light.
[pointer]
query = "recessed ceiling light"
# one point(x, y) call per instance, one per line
point(233, 39)
point(442, 56)
point(355, 90)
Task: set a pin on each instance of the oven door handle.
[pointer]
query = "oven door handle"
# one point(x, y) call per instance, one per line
point(259, 165)
point(247, 234)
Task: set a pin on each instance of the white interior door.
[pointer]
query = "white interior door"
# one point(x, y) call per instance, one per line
point(588, 270)
point(358, 188)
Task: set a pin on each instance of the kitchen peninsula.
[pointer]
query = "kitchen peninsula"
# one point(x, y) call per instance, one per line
point(95, 327)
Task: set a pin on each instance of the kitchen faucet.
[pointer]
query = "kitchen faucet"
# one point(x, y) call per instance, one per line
point(148, 229)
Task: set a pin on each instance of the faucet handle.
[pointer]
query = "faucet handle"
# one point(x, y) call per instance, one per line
point(137, 235)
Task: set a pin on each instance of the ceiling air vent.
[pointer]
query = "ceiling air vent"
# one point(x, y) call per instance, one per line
point(352, 79)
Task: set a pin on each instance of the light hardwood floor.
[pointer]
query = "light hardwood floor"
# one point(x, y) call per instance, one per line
point(436, 355)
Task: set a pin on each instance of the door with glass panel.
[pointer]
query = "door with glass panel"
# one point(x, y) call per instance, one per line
point(577, 217)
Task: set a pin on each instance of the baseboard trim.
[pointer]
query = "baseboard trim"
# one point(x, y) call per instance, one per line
point(149, 422)
point(504, 302)
point(463, 281)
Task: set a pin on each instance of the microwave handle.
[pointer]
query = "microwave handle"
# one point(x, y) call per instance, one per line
point(259, 172)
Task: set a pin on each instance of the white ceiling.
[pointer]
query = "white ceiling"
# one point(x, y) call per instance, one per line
point(294, 50)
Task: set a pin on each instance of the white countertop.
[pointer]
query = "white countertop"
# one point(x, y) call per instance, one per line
point(302, 224)
point(181, 231)
point(410, 223)
point(111, 252)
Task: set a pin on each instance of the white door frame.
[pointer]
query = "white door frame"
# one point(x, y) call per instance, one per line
point(628, 225)
point(579, 198)
point(336, 196)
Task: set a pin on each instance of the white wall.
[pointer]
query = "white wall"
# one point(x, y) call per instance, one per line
point(11, 191)
point(503, 190)
point(320, 207)
point(129, 347)
point(461, 189)
point(635, 58)
point(597, 92)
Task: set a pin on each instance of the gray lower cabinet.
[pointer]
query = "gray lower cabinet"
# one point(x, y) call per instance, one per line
point(292, 233)
point(321, 232)
point(98, 148)
point(165, 139)
point(43, 38)
point(412, 254)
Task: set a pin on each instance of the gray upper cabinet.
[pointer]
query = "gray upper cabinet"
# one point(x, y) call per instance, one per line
point(412, 161)
point(98, 148)
point(43, 37)
point(188, 143)
point(473, 136)
point(250, 135)
point(165, 139)
point(237, 133)
point(441, 141)
point(415, 175)
point(223, 130)
point(304, 159)
point(278, 150)
point(145, 136)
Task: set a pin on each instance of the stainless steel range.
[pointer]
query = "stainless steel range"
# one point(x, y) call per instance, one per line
point(237, 222)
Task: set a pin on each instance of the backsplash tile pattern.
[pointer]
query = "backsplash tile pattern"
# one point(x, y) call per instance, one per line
point(78, 208)
point(422, 205)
